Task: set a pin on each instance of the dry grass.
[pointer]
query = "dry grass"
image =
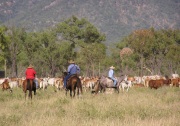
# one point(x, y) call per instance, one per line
point(138, 107)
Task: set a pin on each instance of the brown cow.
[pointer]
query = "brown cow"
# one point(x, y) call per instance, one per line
point(156, 83)
point(5, 85)
point(167, 82)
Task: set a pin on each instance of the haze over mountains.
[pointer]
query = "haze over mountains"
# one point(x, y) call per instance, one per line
point(115, 18)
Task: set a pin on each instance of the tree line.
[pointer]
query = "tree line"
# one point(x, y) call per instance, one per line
point(152, 51)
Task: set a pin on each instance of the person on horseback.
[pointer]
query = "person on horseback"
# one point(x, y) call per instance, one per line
point(31, 73)
point(111, 75)
point(72, 69)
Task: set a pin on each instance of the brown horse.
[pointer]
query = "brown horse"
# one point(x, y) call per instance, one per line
point(29, 84)
point(72, 83)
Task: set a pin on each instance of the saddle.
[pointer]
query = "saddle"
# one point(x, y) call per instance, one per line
point(71, 77)
point(109, 79)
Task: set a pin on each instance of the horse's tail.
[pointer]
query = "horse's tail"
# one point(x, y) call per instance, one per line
point(28, 84)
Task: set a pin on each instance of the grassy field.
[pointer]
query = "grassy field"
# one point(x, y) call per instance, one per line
point(138, 107)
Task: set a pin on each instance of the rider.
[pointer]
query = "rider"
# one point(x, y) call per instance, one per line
point(111, 75)
point(31, 73)
point(72, 69)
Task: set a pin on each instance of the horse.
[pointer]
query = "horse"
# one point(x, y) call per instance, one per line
point(105, 82)
point(72, 83)
point(28, 84)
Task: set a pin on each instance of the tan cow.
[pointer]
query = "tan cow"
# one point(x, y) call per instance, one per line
point(175, 82)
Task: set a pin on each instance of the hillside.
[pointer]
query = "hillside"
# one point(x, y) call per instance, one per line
point(115, 18)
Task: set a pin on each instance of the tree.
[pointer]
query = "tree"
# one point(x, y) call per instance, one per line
point(17, 38)
point(44, 50)
point(83, 37)
point(53, 52)
point(156, 50)
point(92, 55)
point(4, 40)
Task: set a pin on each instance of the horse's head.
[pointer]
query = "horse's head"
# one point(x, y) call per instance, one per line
point(121, 78)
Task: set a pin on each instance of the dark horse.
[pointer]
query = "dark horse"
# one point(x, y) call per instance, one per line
point(72, 83)
point(29, 84)
point(105, 82)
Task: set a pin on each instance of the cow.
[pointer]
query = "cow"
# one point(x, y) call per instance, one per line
point(175, 82)
point(125, 85)
point(175, 76)
point(43, 83)
point(89, 83)
point(13, 82)
point(156, 83)
point(5, 85)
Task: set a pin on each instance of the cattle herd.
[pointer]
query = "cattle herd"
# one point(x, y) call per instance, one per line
point(88, 83)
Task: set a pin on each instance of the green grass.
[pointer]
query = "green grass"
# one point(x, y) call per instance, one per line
point(139, 106)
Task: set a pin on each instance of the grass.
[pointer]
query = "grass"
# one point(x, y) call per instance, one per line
point(139, 106)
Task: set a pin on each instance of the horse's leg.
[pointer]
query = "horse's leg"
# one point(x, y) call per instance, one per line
point(117, 88)
point(30, 94)
point(104, 88)
point(66, 92)
point(25, 92)
point(74, 91)
point(71, 93)
point(34, 91)
point(78, 91)
point(30, 90)
point(34, 87)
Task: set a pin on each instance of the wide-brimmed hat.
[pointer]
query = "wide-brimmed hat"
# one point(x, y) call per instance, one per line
point(30, 66)
point(71, 61)
point(112, 67)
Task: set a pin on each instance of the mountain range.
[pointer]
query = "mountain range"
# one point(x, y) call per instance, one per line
point(115, 18)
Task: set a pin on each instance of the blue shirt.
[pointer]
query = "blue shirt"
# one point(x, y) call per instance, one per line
point(73, 69)
point(111, 73)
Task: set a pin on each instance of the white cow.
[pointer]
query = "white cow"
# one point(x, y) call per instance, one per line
point(51, 81)
point(175, 75)
point(125, 85)
point(43, 83)
point(13, 84)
